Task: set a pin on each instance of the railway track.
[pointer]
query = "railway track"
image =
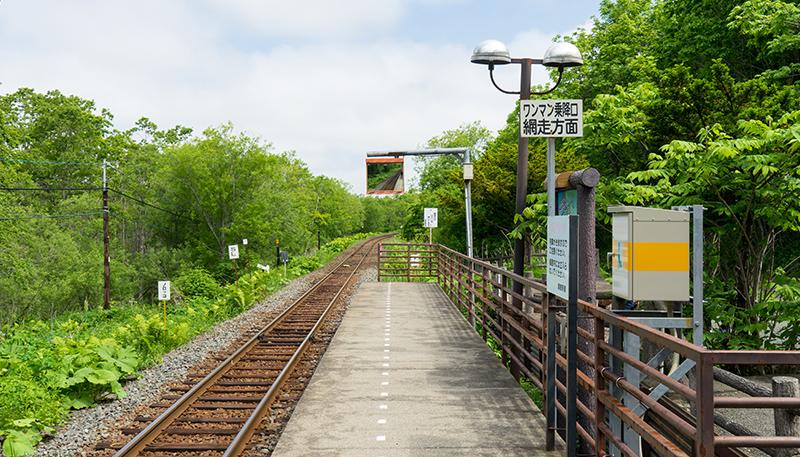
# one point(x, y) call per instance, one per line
point(218, 414)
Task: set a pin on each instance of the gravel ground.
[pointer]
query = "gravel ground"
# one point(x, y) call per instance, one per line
point(88, 426)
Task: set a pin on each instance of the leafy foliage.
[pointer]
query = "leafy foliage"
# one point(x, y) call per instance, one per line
point(197, 282)
point(84, 357)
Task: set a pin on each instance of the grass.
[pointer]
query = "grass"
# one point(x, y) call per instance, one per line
point(69, 362)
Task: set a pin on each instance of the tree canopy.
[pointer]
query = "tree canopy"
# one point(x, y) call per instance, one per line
point(685, 102)
point(177, 200)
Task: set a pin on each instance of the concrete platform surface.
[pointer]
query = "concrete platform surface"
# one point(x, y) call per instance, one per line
point(406, 376)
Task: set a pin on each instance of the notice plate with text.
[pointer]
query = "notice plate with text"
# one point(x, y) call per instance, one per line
point(550, 118)
point(558, 256)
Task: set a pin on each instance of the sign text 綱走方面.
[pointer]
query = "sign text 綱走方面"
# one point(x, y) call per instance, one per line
point(551, 118)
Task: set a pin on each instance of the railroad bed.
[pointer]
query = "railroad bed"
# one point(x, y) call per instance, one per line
point(249, 393)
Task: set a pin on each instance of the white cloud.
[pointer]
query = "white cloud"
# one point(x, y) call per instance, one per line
point(311, 17)
point(330, 103)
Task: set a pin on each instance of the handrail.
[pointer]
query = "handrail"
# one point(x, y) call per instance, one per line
point(524, 327)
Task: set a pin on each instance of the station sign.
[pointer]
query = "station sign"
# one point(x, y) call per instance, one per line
point(550, 118)
point(233, 251)
point(431, 218)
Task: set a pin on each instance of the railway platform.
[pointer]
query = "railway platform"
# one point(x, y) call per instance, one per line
point(406, 376)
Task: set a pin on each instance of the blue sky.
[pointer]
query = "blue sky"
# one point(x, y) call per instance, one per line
point(327, 79)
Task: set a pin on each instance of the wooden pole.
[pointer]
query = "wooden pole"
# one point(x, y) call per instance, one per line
point(106, 244)
point(786, 422)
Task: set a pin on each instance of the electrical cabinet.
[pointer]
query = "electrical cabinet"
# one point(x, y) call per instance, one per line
point(650, 253)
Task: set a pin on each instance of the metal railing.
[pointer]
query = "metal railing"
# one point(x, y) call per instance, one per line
point(407, 262)
point(611, 399)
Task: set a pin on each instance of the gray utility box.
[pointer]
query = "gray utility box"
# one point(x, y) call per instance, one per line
point(650, 253)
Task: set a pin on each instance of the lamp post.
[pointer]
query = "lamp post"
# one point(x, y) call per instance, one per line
point(559, 55)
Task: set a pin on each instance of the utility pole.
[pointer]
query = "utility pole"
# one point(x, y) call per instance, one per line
point(106, 259)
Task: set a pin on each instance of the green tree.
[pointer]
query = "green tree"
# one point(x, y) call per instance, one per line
point(749, 184)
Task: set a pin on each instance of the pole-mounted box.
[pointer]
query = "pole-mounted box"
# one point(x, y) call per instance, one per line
point(650, 253)
point(468, 172)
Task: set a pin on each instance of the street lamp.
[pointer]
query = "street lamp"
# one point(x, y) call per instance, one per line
point(558, 55)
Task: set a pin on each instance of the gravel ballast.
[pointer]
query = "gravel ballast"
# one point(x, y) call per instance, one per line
point(86, 427)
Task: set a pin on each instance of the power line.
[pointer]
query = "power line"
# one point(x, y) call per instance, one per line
point(51, 216)
point(48, 189)
point(45, 162)
point(152, 205)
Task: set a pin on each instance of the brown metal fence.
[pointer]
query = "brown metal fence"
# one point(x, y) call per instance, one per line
point(410, 262)
point(526, 327)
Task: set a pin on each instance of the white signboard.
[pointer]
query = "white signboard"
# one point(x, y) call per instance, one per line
point(558, 256)
point(263, 267)
point(233, 251)
point(550, 118)
point(244, 241)
point(163, 290)
point(431, 218)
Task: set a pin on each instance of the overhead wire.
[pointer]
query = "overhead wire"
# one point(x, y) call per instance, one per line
point(46, 162)
point(52, 216)
point(53, 189)
point(48, 189)
point(151, 205)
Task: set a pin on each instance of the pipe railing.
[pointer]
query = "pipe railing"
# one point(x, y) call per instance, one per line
point(525, 329)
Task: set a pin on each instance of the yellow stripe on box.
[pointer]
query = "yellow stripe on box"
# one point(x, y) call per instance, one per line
point(660, 256)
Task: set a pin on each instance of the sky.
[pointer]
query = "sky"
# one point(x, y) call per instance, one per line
point(328, 79)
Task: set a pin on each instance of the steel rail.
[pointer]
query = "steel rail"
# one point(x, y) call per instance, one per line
point(250, 426)
point(139, 442)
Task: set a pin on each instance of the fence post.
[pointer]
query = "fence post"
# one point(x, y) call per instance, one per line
point(485, 301)
point(471, 283)
point(551, 373)
point(408, 263)
point(428, 254)
point(704, 438)
point(380, 258)
point(600, 387)
point(502, 319)
point(787, 423)
point(436, 255)
point(459, 265)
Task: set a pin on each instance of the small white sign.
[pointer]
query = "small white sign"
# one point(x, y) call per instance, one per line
point(550, 118)
point(263, 267)
point(431, 218)
point(163, 290)
point(233, 251)
point(558, 256)
point(244, 241)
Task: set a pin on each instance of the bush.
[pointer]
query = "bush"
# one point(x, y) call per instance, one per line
point(148, 337)
point(197, 282)
point(26, 408)
point(71, 362)
point(303, 265)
